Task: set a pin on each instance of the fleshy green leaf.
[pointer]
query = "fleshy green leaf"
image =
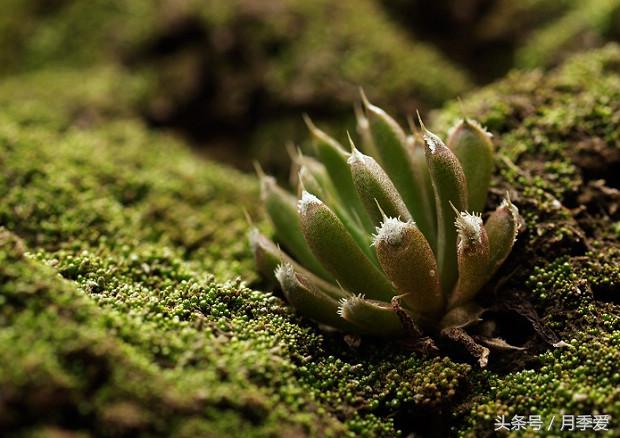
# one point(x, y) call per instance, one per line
point(332, 244)
point(334, 158)
point(309, 299)
point(449, 186)
point(363, 130)
point(408, 260)
point(309, 178)
point(268, 256)
point(281, 209)
point(375, 188)
point(374, 318)
point(473, 146)
point(423, 181)
point(472, 256)
point(502, 227)
point(396, 158)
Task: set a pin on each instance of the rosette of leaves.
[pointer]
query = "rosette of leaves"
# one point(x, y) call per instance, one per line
point(389, 240)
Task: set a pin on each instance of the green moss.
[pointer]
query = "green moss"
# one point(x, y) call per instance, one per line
point(118, 360)
point(585, 24)
point(223, 70)
point(511, 21)
point(365, 49)
point(76, 175)
point(79, 97)
point(37, 33)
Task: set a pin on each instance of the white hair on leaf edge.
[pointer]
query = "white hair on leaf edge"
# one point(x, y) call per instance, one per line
point(345, 304)
point(391, 231)
point(285, 274)
point(469, 227)
point(307, 199)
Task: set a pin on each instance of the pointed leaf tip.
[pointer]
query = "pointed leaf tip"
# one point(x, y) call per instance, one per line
point(431, 140)
point(309, 123)
point(420, 121)
point(360, 117)
point(258, 169)
point(351, 143)
point(369, 106)
point(267, 186)
point(307, 199)
point(456, 211)
point(365, 100)
point(248, 218)
point(468, 227)
point(356, 156)
point(383, 215)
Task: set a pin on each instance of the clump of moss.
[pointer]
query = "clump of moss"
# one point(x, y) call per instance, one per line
point(115, 358)
point(36, 33)
point(74, 174)
point(584, 25)
point(81, 97)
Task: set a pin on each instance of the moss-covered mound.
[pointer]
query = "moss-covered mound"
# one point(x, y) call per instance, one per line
point(501, 34)
point(584, 24)
point(120, 315)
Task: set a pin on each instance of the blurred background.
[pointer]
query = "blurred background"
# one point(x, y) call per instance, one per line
point(234, 76)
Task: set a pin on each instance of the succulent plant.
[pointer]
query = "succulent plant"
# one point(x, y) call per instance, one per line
point(389, 241)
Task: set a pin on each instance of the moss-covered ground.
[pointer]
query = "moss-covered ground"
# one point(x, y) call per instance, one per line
point(121, 313)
